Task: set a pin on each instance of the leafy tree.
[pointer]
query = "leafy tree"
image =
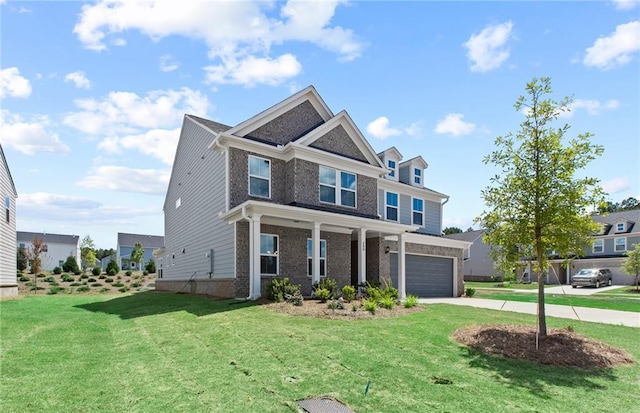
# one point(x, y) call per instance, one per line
point(137, 254)
point(151, 266)
point(451, 230)
point(625, 205)
point(629, 204)
point(535, 204)
point(35, 255)
point(104, 253)
point(70, 265)
point(87, 252)
point(631, 263)
point(22, 259)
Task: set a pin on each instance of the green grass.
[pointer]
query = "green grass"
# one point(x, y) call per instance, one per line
point(498, 285)
point(154, 352)
point(626, 290)
point(604, 302)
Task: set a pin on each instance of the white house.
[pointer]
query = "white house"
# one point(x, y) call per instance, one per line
point(8, 279)
point(57, 247)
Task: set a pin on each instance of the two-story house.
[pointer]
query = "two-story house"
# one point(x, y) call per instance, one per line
point(56, 249)
point(298, 192)
point(125, 245)
point(8, 236)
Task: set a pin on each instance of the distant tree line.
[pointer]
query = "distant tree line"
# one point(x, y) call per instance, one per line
point(625, 205)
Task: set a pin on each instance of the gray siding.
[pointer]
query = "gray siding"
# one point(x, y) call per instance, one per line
point(432, 218)
point(289, 126)
point(339, 142)
point(194, 227)
point(405, 209)
point(404, 174)
point(8, 238)
point(609, 245)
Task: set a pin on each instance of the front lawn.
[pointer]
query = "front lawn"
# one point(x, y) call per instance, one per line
point(155, 352)
point(604, 302)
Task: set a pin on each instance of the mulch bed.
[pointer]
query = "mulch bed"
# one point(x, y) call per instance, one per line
point(561, 347)
point(314, 308)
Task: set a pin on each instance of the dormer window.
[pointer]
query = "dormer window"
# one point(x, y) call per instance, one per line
point(417, 176)
point(392, 167)
point(620, 227)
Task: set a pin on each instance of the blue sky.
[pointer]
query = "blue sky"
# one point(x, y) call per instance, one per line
point(93, 93)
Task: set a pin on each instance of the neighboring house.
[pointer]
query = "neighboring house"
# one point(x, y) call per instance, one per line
point(57, 247)
point(297, 191)
point(8, 267)
point(478, 265)
point(126, 242)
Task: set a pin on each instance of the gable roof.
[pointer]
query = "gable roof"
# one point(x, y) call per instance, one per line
point(147, 241)
point(631, 216)
point(393, 151)
point(6, 166)
point(469, 236)
point(307, 94)
point(416, 160)
point(24, 236)
point(214, 127)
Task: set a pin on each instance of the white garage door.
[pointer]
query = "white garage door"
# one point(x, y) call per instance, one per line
point(425, 276)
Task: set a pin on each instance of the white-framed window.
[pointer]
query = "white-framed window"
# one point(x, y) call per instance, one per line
point(259, 177)
point(417, 211)
point(323, 257)
point(391, 206)
point(7, 206)
point(268, 254)
point(417, 176)
point(620, 244)
point(620, 227)
point(598, 246)
point(337, 187)
point(392, 166)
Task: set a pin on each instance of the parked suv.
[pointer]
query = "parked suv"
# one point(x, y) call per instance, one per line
point(591, 277)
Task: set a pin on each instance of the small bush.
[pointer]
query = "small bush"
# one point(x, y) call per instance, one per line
point(74, 284)
point(411, 301)
point(55, 290)
point(96, 271)
point(112, 272)
point(70, 265)
point(102, 276)
point(108, 280)
point(387, 302)
point(83, 289)
point(128, 273)
point(104, 290)
point(327, 284)
point(41, 275)
point(91, 280)
point(77, 272)
point(36, 288)
point(83, 276)
point(123, 289)
point(112, 265)
point(49, 279)
point(54, 283)
point(151, 266)
point(96, 285)
point(470, 292)
point(84, 283)
point(323, 294)
point(349, 293)
point(24, 278)
point(370, 305)
point(135, 284)
point(57, 270)
point(336, 305)
point(118, 284)
point(145, 273)
point(278, 288)
point(67, 278)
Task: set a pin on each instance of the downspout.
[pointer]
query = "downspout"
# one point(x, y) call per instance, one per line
point(245, 216)
point(442, 213)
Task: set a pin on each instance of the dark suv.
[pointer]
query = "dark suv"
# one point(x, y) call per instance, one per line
point(591, 277)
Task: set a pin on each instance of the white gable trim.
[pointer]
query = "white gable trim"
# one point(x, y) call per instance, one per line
point(418, 161)
point(414, 191)
point(343, 119)
point(309, 93)
point(392, 153)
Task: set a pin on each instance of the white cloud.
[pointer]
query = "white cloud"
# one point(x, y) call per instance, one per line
point(253, 70)
point(159, 143)
point(12, 84)
point(616, 185)
point(453, 124)
point(168, 63)
point(593, 107)
point(239, 35)
point(126, 112)
point(625, 4)
point(616, 49)
point(124, 179)
point(29, 136)
point(75, 209)
point(79, 79)
point(487, 50)
point(380, 129)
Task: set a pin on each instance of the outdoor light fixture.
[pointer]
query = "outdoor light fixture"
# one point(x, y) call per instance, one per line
point(387, 249)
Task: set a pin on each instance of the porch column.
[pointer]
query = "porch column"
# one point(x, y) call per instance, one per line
point(402, 293)
point(362, 256)
point(315, 260)
point(254, 258)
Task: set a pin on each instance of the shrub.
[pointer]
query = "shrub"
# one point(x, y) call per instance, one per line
point(96, 271)
point(323, 294)
point(123, 289)
point(349, 292)
point(71, 265)
point(83, 289)
point(118, 284)
point(77, 272)
point(108, 280)
point(41, 275)
point(24, 278)
point(57, 270)
point(469, 292)
point(102, 276)
point(145, 273)
point(150, 268)
point(370, 305)
point(36, 288)
point(336, 305)
point(91, 280)
point(128, 273)
point(387, 302)
point(54, 283)
point(278, 288)
point(328, 284)
point(67, 278)
point(96, 285)
point(49, 279)
point(112, 265)
point(411, 301)
point(83, 276)
point(55, 290)
point(74, 284)
point(112, 272)
point(135, 284)
point(104, 290)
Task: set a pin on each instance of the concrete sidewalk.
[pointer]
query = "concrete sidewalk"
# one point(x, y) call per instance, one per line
point(595, 315)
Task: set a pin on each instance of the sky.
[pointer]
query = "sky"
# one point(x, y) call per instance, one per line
point(93, 93)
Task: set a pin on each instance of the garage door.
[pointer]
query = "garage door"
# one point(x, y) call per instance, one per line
point(425, 276)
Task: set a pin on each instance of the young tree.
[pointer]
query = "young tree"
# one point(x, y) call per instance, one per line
point(87, 253)
point(22, 259)
point(137, 254)
point(35, 255)
point(535, 204)
point(631, 263)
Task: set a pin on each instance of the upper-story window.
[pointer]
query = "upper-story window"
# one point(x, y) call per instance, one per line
point(7, 206)
point(418, 212)
point(259, 177)
point(323, 257)
point(392, 167)
point(598, 246)
point(392, 206)
point(620, 227)
point(417, 176)
point(620, 244)
point(337, 187)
